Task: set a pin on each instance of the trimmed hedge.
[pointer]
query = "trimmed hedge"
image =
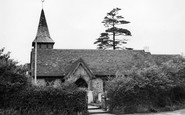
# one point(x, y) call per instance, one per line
point(48, 99)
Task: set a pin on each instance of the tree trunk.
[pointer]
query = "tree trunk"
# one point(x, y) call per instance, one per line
point(114, 45)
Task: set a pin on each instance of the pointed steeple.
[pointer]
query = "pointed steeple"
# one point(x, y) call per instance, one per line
point(43, 36)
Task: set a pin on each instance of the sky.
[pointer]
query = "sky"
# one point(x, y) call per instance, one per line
point(76, 24)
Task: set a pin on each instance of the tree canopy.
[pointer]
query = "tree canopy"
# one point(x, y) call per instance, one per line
point(109, 38)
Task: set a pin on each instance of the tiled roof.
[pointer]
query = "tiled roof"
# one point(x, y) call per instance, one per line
point(56, 62)
point(43, 35)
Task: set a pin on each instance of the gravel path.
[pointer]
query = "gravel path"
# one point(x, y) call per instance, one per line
point(93, 110)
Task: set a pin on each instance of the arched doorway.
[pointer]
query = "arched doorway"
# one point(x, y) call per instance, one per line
point(81, 83)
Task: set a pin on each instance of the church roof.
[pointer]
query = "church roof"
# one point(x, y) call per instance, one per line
point(56, 62)
point(43, 35)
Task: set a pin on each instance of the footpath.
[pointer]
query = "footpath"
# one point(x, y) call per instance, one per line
point(93, 110)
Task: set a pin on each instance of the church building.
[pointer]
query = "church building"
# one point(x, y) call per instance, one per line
point(88, 68)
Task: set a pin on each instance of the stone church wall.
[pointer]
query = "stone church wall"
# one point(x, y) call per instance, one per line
point(79, 73)
point(97, 85)
point(57, 83)
point(43, 82)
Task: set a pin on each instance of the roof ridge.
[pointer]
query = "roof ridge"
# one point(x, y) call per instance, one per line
point(97, 50)
point(165, 54)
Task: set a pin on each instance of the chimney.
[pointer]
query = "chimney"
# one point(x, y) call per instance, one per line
point(146, 49)
point(182, 54)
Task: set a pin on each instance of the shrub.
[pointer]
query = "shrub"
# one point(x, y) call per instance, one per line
point(54, 100)
point(150, 89)
point(9, 112)
point(12, 78)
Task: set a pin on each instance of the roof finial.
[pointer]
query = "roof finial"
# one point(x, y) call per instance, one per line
point(42, 3)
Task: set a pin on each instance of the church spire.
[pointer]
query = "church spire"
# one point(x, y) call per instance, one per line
point(43, 36)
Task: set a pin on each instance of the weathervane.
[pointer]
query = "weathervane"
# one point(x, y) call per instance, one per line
point(42, 2)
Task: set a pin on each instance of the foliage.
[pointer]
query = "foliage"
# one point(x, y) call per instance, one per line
point(150, 89)
point(112, 22)
point(49, 99)
point(12, 77)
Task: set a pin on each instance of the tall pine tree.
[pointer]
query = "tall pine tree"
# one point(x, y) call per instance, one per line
point(109, 38)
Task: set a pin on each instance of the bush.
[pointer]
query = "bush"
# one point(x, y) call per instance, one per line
point(54, 100)
point(150, 89)
point(12, 78)
point(9, 112)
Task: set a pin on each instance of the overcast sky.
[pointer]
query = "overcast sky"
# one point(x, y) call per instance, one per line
point(75, 24)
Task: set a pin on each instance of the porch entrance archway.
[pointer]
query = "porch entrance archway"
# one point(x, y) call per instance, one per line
point(81, 83)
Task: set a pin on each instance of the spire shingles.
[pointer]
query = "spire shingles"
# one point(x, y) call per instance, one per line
point(43, 35)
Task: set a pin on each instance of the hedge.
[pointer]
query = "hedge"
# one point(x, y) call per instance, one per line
point(151, 89)
point(48, 100)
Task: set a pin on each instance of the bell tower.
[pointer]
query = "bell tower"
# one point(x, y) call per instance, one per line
point(43, 39)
